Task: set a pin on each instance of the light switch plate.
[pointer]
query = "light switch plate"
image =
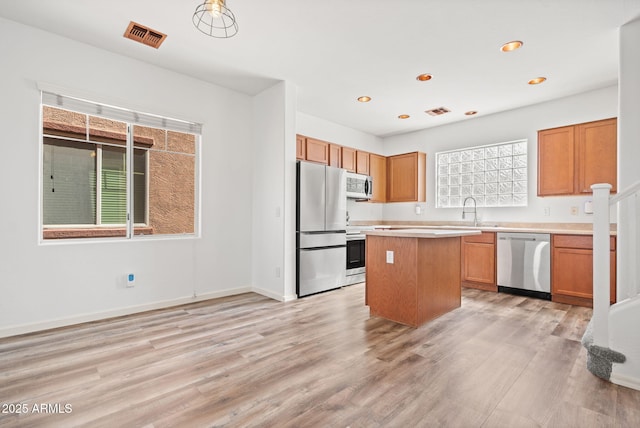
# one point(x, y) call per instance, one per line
point(588, 207)
point(390, 257)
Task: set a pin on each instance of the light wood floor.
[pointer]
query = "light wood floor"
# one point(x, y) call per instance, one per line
point(321, 361)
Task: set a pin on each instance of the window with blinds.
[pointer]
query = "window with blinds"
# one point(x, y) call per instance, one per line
point(107, 177)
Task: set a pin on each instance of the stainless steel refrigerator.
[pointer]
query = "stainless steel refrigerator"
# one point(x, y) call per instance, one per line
point(321, 209)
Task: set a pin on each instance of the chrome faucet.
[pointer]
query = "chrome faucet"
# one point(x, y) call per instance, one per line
point(475, 213)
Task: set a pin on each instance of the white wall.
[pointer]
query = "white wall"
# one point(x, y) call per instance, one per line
point(57, 284)
point(501, 127)
point(322, 129)
point(628, 269)
point(274, 192)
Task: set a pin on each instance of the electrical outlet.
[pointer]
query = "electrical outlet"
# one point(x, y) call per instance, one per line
point(574, 210)
point(547, 211)
point(131, 280)
point(277, 272)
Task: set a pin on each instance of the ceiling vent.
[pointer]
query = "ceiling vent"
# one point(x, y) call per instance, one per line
point(438, 111)
point(144, 35)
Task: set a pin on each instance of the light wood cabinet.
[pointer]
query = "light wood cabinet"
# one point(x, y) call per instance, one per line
point(556, 159)
point(317, 151)
point(406, 177)
point(421, 284)
point(335, 155)
point(349, 159)
point(399, 178)
point(572, 158)
point(301, 147)
point(597, 154)
point(572, 269)
point(378, 172)
point(362, 162)
point(478, 261)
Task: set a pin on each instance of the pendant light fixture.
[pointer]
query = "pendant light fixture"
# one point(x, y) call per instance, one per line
point(214, 19)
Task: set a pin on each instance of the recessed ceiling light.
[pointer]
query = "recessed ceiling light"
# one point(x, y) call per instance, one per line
point(404, 116)
point(424, 77)
point(537, 80)
point(364, 99)
point(471, 112)
point(511, 46)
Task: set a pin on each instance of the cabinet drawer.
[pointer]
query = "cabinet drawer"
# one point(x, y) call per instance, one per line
point(579, 241)
point(485, 237)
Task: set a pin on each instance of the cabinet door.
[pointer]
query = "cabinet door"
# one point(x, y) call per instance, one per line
point(556, 161)
point(478, 261)
point(378, 172)
point(362, 162)
point(572, 270)
point(317, 151)
point(349, 159)
point(301, 147)
point(597, 154)
point(406, 177)
point(335, 155)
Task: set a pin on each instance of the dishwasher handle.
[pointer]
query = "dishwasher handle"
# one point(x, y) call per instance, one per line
point(511, 238)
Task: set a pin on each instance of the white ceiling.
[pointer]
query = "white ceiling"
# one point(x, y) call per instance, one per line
point(335, 51)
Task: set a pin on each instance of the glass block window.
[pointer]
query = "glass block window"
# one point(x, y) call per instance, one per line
point(494, 175)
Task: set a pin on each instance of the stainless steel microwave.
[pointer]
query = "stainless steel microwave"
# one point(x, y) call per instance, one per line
point(359, 186)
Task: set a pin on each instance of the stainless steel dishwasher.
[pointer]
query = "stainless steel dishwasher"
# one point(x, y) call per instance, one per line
point(524, 264)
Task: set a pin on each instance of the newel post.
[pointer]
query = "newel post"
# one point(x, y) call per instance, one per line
point(601, 266)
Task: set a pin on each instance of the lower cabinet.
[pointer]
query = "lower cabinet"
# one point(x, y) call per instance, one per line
point(572, 269)
point(478, 261)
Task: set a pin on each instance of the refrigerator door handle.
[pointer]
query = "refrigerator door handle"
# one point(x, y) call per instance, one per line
point(323, 248)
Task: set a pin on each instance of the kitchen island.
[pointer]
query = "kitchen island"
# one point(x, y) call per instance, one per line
point(413, 275)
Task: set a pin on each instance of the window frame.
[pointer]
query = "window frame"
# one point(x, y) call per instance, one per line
point(99, 148)
point(101, 232)
point(443, 161)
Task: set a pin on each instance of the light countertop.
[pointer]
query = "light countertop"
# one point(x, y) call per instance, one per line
point(552, 228)
point(422, 233)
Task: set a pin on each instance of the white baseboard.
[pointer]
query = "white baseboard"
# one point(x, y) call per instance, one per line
point(79, 319)
point(629, 382)
point(273, 295)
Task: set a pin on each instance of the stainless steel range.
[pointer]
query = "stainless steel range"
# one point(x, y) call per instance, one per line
point(356, 269)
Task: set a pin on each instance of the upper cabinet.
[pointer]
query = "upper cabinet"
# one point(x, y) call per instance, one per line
point(301, 147)
point(335, 155)
point(399, 178)
point(406, 177)
point(597, 154)
point(572, 158)
point(362, 162)
point(349, 159)
point(556, 159)
point(317, 151)
point(378, 173)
